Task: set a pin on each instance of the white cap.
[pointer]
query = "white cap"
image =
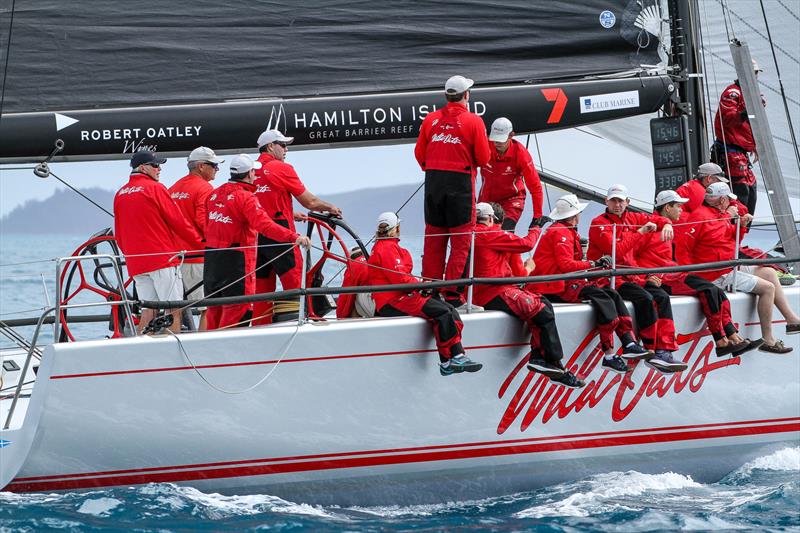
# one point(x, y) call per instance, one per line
point(482, 209)
point(719, 190)
point(204, 154)
point(712, 169)
point(389, 218)
point(756, 68)
point(457, 85)
point(243, 163)
point(567, 206)
point(668, 197)
point(271, 136)
point(501, 129)
point(617, 191)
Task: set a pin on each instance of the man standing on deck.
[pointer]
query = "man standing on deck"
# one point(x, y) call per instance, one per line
point(234, 219)
point(276, 184)
point(734, 142)
point(190, 194)
point(509, 172)
point(452, 144)
point(147, 225)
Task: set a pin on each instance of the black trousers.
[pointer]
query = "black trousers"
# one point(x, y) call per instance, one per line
point(549, 345)
point(745, 194)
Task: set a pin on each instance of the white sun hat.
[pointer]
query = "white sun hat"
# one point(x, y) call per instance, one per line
point(389, 218)
point(668, 197)
point(243, 163)
point(567, 206)
point(271, 136)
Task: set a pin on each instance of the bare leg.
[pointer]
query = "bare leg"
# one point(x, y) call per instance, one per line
point(766, 299)
point(176, 320)
point(202, 326)
point(781, 302)
point(147, 316)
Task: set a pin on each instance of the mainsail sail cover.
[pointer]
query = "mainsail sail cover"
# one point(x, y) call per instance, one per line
point(74, 67)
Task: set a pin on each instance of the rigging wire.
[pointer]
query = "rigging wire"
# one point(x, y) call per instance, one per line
point(760, 83)
point(541, 164)
point(706, 82)
point(780, 84)
point(8, 54)
point(725, 20)
point(79, 193)
point(792, 13)
point(760, 34)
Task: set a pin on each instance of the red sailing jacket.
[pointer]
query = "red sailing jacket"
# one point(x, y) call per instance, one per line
point(601, 235)
point(492, 248)
point(190, 194)
point(276, 183)
point(147, 221)
point(737, 130)
point(453, 139)
point(357, 274)
point(696, 193)
point(711, 237)
point(394, 266)
point(507, 176)
point(559, 252)
point(652, 252)
point(235, 218)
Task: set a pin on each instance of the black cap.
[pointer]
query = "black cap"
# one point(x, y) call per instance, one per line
point(142, 158)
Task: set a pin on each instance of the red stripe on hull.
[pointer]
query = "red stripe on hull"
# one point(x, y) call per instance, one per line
point(405, 458)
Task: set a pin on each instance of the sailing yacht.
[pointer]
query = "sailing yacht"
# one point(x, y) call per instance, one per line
point(354, 411)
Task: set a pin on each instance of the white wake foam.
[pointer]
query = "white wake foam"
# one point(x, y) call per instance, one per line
point(99, 506)
point(787, 459)
point(597, 494)
point(217, 506)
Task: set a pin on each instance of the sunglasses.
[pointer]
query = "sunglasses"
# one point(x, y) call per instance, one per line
point(282, 145)
point(215, 166)
point(154, 165)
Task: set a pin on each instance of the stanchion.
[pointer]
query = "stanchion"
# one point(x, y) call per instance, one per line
point(613, 254)
point(471, 270)
point(736, 252)
point(301, 312)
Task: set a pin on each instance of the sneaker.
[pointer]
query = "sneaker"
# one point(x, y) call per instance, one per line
point(569, 380)
point(543, 367)
point(663, 361)
point(786, 279)
point(635, 352)
point(459, 363)
point(615, 364)
point(778, 348)
point(792, 329)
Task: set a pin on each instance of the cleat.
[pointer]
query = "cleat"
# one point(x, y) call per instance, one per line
point(664, 362)
point(568, 380)
point(543, 367)
point(615, 364)
point(635, 352)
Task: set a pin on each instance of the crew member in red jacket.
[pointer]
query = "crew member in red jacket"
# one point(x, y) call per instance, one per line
point(559, 252)
point(190, 194)
point(734, 142)
point(452, 144)
point(492, 248)
point(508, 173)
point(712, 237)
point(650, 302)
point(391, 264)
point(277, 183)
point(695, 191)
point(147, 226)
point(356, 275)
point(653, 252)
point(234, 219)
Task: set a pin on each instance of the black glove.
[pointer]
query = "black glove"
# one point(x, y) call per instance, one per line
point(539, 222)
point(604, 262)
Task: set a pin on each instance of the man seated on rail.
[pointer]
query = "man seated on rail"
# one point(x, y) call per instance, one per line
point(654, 252)
point(618, 231)
point(391, 264)
point(234, 219)
point(147, 225)
point(559, 252)
point(492, 248)
point(712, 237)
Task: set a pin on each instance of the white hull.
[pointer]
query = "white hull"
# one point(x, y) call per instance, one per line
point(357, 413)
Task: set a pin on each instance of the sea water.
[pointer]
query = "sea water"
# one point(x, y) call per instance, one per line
point(764, 493)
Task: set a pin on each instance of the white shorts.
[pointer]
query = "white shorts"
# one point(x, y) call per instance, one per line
point(160, 285)
point(192, 275)
point(746, 280)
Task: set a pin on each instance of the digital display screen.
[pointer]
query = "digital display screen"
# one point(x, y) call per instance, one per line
point(668, 155)
point(670, 178)
point(666, 130)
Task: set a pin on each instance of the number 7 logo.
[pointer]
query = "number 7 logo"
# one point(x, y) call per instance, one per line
point(560, 99)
